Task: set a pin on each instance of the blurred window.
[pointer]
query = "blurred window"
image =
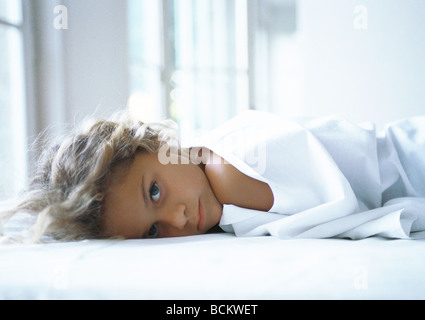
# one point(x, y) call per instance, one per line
point(13, 158)
point(188, 61)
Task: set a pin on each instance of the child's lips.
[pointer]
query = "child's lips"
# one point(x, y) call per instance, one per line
point(201, 216)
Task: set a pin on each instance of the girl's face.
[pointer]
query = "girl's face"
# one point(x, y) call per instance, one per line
point(150, 200)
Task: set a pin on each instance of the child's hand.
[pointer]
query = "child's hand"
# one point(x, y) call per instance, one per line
point(231, 186)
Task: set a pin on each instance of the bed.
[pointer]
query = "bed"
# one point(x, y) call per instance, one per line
point(215, 266)
point(253, 265)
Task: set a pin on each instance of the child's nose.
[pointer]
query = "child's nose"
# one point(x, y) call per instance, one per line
point(174, 216)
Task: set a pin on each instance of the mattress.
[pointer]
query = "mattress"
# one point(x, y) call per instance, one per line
point(215, 266)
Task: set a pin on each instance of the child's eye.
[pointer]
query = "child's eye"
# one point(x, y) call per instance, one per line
point(154, 192)
point(153, 231)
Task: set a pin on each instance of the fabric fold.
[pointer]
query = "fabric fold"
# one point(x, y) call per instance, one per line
point(329, 177)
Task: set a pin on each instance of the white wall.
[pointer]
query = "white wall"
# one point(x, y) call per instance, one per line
point(376, 74)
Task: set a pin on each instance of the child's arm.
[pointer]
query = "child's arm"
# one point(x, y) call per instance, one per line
point(231, 186)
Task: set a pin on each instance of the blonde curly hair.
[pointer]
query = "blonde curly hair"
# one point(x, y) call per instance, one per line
point(67, 191)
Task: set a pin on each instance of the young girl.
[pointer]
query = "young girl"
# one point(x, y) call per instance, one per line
point(107, 181)
point(258, 174)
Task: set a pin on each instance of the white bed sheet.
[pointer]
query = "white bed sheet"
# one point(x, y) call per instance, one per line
point(215, 266)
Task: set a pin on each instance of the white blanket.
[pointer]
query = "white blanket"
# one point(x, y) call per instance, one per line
point(329, 177)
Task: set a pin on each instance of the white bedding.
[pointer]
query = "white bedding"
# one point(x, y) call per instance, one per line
point(329, 177)
point(290, 264)
point(215, 266)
